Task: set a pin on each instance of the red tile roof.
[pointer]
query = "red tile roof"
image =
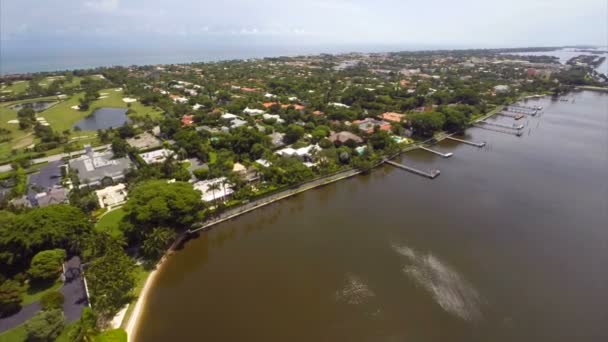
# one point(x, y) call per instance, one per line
point(187, 120)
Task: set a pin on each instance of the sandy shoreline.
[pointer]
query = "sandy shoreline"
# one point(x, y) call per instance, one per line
point(133, 323)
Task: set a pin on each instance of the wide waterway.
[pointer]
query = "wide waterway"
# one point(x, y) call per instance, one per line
point(510, 243)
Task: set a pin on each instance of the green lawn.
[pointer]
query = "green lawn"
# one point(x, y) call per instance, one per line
point(17, 87)
point(110, 221)
point(62, 116)
point(47, 81)
point(34, 293)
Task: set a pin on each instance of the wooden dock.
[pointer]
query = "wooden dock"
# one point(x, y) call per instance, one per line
point(500, 130)
point(432, 174)
point(498, 124)
point(444, 155)
point(515, 116)
point(472, 143)
point(522, 110)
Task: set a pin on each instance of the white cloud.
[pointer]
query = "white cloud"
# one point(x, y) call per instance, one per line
point(102, 5)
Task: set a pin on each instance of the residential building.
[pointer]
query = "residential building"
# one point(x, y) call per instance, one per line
point(144, 141)
point(208, 193)
point(253, 112)
point(187, 120)
point(92, 167)
point(112, 196)
point(276, 139)
point(344, 136)
point(368, 124)
point(55, 195)
point(156, 156)
point(392, 117)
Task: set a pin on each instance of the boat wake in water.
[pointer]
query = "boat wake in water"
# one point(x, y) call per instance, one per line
point(449, 289)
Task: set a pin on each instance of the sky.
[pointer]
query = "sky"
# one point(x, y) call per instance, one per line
point(56, 27)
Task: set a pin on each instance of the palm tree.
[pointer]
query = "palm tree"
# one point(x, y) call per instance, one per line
point(213, 187)
point(224, 182)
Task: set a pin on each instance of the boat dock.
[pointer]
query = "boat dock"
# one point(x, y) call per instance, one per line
point(515, 116)
point(511, 131)
point(498, 124)
point(444, 155)
point(472, 143)
point(432, 174)
point(522, 109)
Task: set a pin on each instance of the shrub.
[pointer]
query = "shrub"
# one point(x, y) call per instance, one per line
point(46, 265)
point(52, 300)
point(85, 328)
point(45, 326)
point(10, 298)
point(201, 174)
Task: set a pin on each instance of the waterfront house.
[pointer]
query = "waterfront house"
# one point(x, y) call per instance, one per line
point(392, 117)
point(208, 193)
point(344, 136)
point(368, 124)
point(303, 152)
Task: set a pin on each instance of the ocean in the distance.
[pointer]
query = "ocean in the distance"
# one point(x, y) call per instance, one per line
point(23, 60)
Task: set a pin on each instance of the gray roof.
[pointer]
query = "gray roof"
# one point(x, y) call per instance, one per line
point(93, 167)
point(48, 177)
point(53, 196)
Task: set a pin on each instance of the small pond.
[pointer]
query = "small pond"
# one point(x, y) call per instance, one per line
point(37, 106)
point(103, 118)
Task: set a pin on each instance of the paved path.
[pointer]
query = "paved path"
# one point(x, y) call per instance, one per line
point(55, 157)
point(20, 317)
point(73, 292)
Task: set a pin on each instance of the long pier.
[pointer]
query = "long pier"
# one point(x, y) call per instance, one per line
point(522, 110)
point(432, 174)
point(498, 124)
point(515, 116)
point(500, 130)
point(472, 143)
point(444, 155)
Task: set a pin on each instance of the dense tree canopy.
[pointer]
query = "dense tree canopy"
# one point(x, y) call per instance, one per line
point(157, 203)
point(110, 279)
point(55, 226)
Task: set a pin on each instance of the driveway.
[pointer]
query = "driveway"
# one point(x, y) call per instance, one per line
point(72, 290)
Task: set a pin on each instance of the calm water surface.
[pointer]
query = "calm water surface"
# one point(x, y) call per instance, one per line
point(37, 106)
point(510, 243)
point(104, 118)
point(566, 54)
